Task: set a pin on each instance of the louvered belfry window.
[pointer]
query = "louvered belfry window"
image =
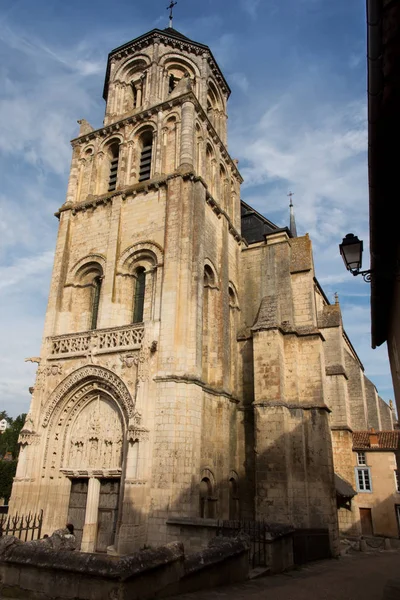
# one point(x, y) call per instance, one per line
point(145, 157)
point(112, 181)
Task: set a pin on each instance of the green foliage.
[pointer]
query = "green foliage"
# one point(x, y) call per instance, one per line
point(7, 473)
point(9, 439)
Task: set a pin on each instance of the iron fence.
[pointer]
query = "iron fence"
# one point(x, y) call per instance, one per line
point(308, 544)
point(25, 527)
point(258, 533)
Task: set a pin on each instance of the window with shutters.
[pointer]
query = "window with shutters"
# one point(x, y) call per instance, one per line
point(145, 156)
point(138, 302)
point(114, 158)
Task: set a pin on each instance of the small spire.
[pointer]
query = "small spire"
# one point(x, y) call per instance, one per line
point(336, 298)
point(292, 225)
point(171, 15)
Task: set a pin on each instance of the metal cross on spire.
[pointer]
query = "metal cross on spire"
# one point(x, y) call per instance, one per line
point(292, 225)
point(171, 8)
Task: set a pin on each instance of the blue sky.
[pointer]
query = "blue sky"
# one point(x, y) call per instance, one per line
point(297, 121)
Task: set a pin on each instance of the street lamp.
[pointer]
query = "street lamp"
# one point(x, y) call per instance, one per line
point(351, 250)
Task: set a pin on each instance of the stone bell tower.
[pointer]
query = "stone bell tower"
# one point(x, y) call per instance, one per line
point(133, 420)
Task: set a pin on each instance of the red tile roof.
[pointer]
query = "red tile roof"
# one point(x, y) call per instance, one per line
point(388, 440)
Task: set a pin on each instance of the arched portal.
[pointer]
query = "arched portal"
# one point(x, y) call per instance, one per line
point(86, 429)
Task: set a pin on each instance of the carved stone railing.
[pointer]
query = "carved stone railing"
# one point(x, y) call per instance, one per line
point(99, 341)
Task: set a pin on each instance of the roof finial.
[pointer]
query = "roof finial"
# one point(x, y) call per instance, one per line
point(336, 298)
point(171, 8)
point(292, 225)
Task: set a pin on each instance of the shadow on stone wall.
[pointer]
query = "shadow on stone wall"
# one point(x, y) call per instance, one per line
point(38, 571)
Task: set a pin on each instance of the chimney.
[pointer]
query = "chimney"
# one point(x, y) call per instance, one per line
point(373, 438)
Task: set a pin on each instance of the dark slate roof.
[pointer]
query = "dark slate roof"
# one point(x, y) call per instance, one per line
point(255, 225)
point(343, 488)
point(387, 440)
point(178, 34)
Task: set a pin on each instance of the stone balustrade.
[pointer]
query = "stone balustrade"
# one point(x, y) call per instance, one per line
point(98, 341)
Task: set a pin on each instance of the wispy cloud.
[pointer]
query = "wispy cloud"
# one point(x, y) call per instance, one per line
point(250, 7)
point(297, 120)
point(25, 268)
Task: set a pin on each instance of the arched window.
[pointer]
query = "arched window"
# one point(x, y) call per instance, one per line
point(114, 157)
point(233, 500)
point(95, 301)
point(172, 81)
point(207, 502)
point(145, 156)
point(138, 302)
point(134, 93)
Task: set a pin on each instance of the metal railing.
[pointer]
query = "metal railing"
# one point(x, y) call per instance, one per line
point(25, 527)
point(257, 532)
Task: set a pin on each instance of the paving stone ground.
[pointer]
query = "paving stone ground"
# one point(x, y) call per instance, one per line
point(354, 577)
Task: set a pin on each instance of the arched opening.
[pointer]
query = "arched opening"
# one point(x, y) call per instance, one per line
point(207, 502)
point(210, 168)
point(138, 300)
point(134, 88)
point(234, 514)
point(233, 326)
point(94, 442)
point(146, 144)
point(209, 353)
point(84, 299)
point(172, 81)
point(169, 154)
point(114, 158)
point(95, 301)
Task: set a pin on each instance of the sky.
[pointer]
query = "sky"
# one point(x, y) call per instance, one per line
point(297, 122)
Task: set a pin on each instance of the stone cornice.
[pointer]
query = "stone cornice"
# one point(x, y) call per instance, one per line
point(152, 111)
point(144, 187)
point(289, 330)
point(188, 379)
point(291, 405)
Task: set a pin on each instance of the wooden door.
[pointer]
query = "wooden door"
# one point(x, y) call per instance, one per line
point(108, 512)
point(77, 507)
point(366, 521)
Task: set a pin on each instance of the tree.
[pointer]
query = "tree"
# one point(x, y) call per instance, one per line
point(9, 443)
point(7, 473)
point(9, 439)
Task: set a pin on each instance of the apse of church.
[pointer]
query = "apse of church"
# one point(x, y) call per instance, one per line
point(182, 373)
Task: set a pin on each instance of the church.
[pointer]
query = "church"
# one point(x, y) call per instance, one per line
point(192, 368)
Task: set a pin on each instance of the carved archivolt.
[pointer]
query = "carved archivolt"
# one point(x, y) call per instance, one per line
point(86, 260)
point(97, 377)
point(143, 250)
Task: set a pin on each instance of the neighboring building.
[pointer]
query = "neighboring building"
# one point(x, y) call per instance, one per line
point(191, 365)
point(3, 425)
point(378, 482)
point(383, 20)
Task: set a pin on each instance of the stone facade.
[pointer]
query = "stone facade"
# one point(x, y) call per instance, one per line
point(191, 365)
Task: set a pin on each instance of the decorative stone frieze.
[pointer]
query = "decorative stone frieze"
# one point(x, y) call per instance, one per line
point(100, 341)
